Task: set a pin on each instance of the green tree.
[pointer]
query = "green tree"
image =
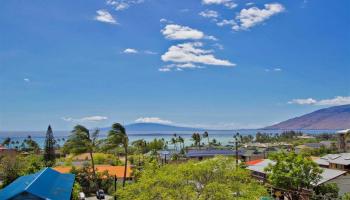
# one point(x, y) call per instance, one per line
point(196, 137)
point(117, 137)
point(30, 145)
point(6, 142)
point(293, 173)
point(82, 141)
point(328, 191)
point(206, 135)
point(212, 179)
point(10, 169)
point(140, 146)
point(49, 150)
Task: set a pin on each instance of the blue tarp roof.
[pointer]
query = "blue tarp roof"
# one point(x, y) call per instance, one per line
point(212, 152)
point(46, 184)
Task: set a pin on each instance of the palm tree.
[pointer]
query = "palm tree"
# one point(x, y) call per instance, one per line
point(81, 141)
point(117, 137)
point(181, 141)
point(206, 135)
point(173, 141)
point(140, 145)
point(196, 137)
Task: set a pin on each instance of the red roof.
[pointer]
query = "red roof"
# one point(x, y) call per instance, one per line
point(254, 162)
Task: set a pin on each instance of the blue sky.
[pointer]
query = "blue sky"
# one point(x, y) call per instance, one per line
point(204, 63)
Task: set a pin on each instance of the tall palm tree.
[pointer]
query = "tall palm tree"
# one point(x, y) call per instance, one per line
point(7, 142)
point(82, 141)
point(181, 141)
point(117, 137)
point(173, 141)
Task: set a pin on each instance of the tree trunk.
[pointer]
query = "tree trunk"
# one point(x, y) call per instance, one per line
point(93, 166)
point(125, 164)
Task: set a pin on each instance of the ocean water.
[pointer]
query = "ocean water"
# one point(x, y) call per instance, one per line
point(222, 136)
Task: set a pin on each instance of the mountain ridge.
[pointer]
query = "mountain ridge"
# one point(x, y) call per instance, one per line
point(336, 117)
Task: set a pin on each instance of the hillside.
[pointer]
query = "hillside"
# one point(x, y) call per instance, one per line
point(337, 117)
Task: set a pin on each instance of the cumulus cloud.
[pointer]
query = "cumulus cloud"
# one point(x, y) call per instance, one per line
point(153, 120)
point(227, 3)
point(178, 32)
point(250, 17)
point(123, 4)
point(209, 14)
point(227, 22)
point(130, 51)
point(179, 67)
point(339, 100)
point(192, 52)
point(105, 17)
point(95, 118)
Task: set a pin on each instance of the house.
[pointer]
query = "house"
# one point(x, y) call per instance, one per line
point(209, 153)
point(335, 161)
point(343, 140)
point(4, 151)
point(45, 184)
point(336, 176)
point(112, 170)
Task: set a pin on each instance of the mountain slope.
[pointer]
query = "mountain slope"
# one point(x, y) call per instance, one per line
point(337, 117)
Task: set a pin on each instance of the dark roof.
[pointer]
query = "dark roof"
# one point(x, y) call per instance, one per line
point(45, 184)
point(212, 152)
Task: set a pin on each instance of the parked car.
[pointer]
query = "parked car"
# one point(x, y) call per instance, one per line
point(100, 194)
point(81, 196)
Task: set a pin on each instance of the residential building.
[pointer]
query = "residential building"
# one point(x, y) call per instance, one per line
point(335, 161)
point(336, 176)
point(344, 140)
point(112, 170)
point(45, 184)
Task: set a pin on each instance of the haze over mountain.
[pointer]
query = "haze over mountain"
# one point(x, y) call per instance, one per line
point(156, 127)
point(336, 117)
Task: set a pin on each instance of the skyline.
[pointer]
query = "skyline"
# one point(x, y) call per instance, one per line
point(201, 63)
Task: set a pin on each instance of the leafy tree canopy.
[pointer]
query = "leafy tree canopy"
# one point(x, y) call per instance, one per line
point(215, 178)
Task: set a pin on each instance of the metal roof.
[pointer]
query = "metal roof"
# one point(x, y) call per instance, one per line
point(46, 184)
point(327, 174)
point(341, 158)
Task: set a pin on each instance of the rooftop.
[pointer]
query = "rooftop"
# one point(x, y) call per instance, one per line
point(327, 174)
point(45, 184)
point(341, 158)
point(112, 170)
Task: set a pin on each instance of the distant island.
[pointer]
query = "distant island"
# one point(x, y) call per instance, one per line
point(155, 127)
point(336, 117)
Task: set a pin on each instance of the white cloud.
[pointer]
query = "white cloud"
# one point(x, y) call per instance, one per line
point(179, 67)
point(307, 101)
point(96, 118)
point(150, 52)
point(227, 3)
point(123, 4)
point(227, 22)
point(249, 3)
point(250, 17)
point(26, 80)
point(153, 120)
point(209, 14)
point(177, 32)
point(193, 53)
point(130, 51)
point(339, 100)
point(105, 16)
